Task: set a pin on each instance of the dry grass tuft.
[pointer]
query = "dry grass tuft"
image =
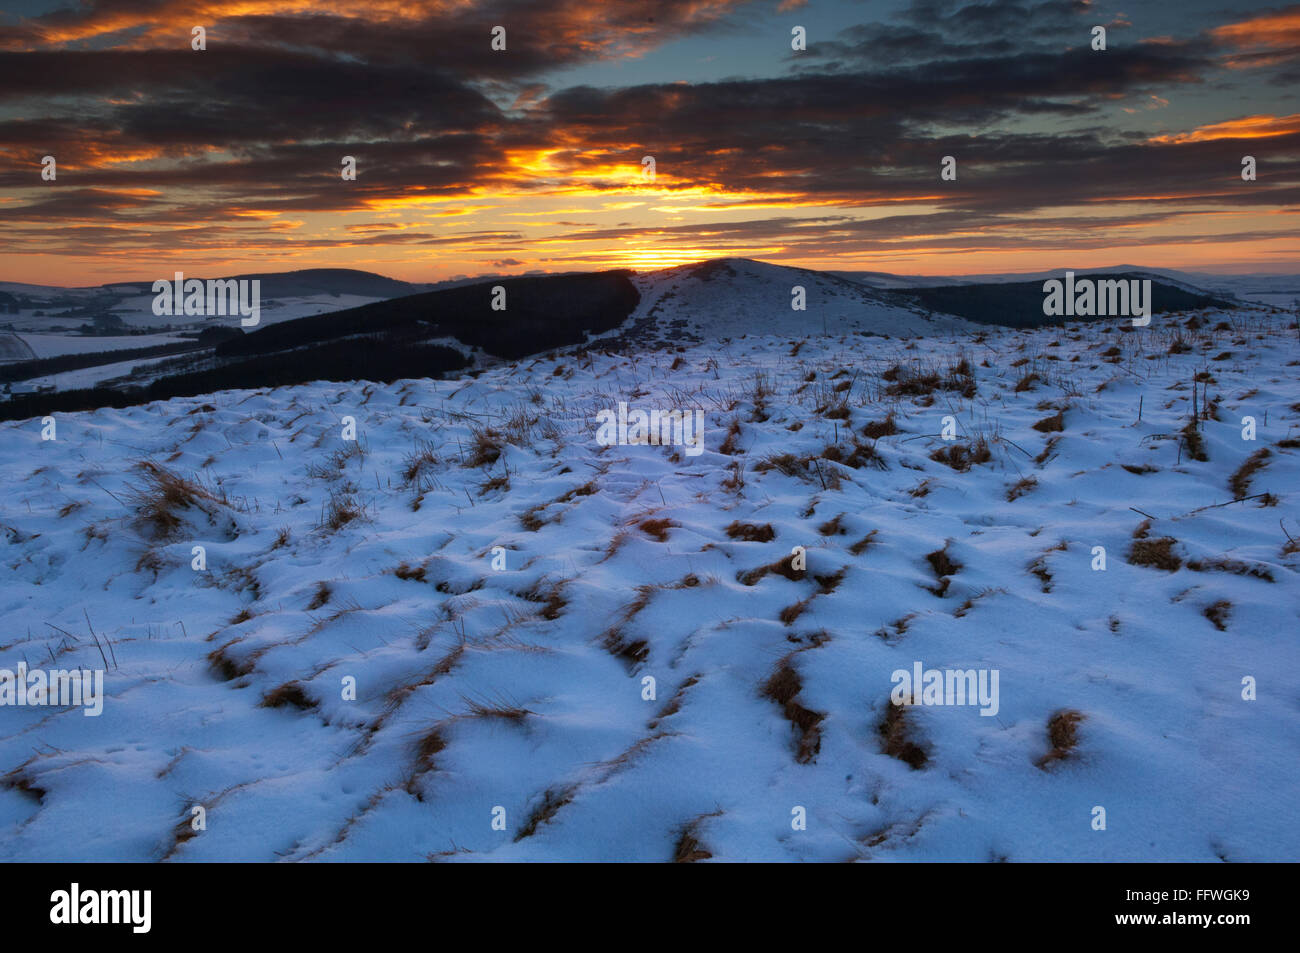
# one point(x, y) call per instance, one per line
point(530, 519)
point(498, 709)
point(657, 528)
point(1157, 552)
point(728, 446)
point(552, 801)
point(944, 566)
point(499, 482)
point(790, 613)
point(787, 463)
point(828, 584)
point(407, 571)
point(1239, 482)
point(1063, 734)
point(486, 447)
point(1194, 442)
point(924, 381)
point(1020, 488)
point(290, 693)
point(735, 480)
point(961, 457)
point(876, 429)
point(674, 704)
point(895, 731)
point(163, 495)
point(1218, 614)
point(688, 848)
point(782, 567)
point(550, 598)
point(587, 489)
point(751, 532)
point(1039, 568)
point(322, 595)
point(419, 463)
point(783, 687)
point(226, 665)
point(1052, 424)
point(858, 456)
point(340, 510)
point(1027, 382)
point(427, 748)
point(860, 547)
point(1234, 566)
point(832, 527)
point(18, 780)
point(631, 651)
point(899, 627)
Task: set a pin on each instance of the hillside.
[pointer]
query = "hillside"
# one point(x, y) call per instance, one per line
point(420, 335)
point(1019, 304)
point(331, 337)
point(728, 297)
point(433, 642)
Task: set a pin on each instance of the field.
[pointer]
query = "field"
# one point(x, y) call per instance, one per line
point(433, 641)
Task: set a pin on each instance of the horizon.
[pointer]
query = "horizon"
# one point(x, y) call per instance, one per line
point(226, 152)
point(1243, 271)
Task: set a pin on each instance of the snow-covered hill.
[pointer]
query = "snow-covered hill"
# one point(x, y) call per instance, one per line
point(727, 297)
point(433, 642)
point(45, 310)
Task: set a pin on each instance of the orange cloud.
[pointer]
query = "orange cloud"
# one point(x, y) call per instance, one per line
point(1270, 30)
point(1248, 127)
point(1264, 40)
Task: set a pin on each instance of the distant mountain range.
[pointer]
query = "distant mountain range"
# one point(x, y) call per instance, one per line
point(282, 284)
point(407, 330)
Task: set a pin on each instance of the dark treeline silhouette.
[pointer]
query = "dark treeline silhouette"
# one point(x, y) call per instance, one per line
point(365, 358)
point(26, 370)
point(1019, 304)
point(540, 314)
point(382, 342)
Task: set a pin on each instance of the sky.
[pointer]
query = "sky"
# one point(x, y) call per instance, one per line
point(472, 160)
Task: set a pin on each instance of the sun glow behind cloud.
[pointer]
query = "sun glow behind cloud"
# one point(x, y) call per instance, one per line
point(228, 158)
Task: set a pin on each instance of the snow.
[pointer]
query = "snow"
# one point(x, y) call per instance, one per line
point(136, 311)
point(87, 377)
point(480, 688)
point(273, 311)
point(728, 297)
point(54, 345)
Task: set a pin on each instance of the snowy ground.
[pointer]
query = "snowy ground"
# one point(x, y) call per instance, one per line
point(522, 688)
point(136, 311)
point(54, 345)
point(100, 374)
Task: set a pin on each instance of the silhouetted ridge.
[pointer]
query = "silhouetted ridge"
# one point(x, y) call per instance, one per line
point(1019, 304)
point(540, 313)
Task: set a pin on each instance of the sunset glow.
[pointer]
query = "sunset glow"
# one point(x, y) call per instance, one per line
point(530, 159)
